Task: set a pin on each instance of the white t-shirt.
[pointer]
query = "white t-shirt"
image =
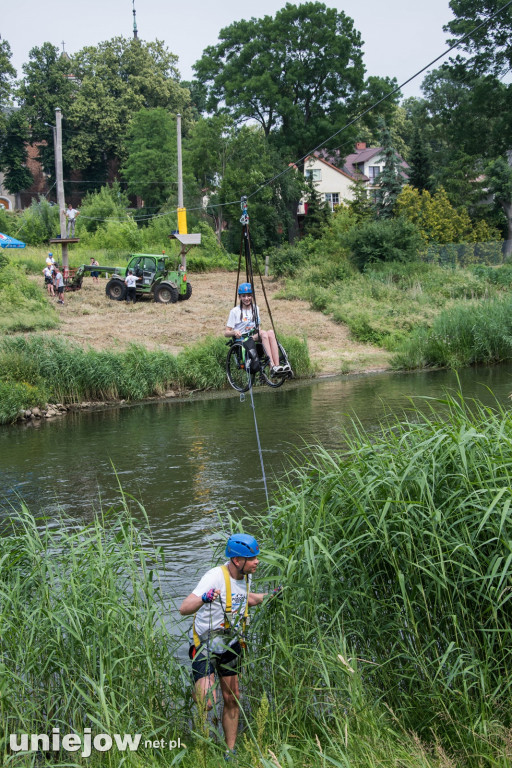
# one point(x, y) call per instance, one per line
point(211, 615)
point(50, 261)
point(243, 319)
point(131, 281)
point(71, 214)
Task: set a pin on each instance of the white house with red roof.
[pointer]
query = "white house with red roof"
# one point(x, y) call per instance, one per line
point(333, 178)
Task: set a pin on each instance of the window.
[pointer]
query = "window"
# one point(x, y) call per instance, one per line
point(374, 172)
point(332, 198)
point(314, 173)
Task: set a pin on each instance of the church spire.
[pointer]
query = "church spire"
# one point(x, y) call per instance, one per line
point(135, 35)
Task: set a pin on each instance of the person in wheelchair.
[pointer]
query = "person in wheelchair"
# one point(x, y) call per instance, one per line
point(244, 318)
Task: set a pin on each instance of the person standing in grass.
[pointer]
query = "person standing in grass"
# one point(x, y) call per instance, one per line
point(131, 285)
point(59, 284)
point(94, 274)
point(48, 280)
point(220, 604)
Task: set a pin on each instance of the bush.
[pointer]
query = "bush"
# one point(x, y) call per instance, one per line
point(24, 304)
point(389, 240)
point(18, 396)
point(39, 223)
point(287, 259)
point(98, 207)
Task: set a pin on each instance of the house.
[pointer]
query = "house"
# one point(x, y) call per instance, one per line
point(334, 177)
point(7, 200)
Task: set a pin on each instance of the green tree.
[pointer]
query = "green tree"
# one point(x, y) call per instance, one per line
point(391, 179)
point(13, 154)
point(118, 78)
point(298, 75)
point(47, 83)
point(151, 165)
point(490, 47)
point(318, 215)
point(499, 176)
point(420, 173)
point(7, 73)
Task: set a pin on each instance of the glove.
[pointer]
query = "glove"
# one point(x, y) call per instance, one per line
point(209, 596)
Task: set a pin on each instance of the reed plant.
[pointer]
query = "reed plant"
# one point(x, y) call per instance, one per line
point(45, 368)
point(462, 335)
point(396, 560)
point(83, 641)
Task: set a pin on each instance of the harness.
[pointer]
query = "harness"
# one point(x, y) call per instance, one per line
point(228, 628)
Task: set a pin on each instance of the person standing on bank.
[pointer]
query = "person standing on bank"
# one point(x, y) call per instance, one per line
point(245, 317)
point(220, 604)
point(71, 215)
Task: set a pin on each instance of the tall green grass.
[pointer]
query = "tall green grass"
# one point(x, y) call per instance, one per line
point(462, 335)
point(23, 305)
point(34, 369)
point(396, 559)
point(83, 642)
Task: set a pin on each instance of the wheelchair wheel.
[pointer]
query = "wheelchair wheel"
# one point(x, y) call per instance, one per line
point(272, 379)
point(239, 378)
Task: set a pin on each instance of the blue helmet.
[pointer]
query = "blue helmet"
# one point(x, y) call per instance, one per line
point(244, 289)
point(242, 545)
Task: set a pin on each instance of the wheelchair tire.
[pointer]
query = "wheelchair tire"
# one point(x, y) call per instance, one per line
point(272, 379)
point(239, 378)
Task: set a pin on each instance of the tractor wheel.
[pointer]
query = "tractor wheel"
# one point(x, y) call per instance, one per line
point(165, 293)
point(187, 295)
point(116, 290)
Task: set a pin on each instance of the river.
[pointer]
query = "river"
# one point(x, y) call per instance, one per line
point(190, 462)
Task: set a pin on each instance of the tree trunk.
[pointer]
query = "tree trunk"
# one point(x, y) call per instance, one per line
point(293, 229)
point(507, 249)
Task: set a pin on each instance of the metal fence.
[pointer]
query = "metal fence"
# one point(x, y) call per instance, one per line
point(465, 254)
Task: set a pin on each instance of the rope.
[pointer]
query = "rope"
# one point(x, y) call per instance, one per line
point(259, 448)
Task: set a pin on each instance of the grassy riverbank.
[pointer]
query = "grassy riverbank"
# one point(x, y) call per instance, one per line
point(390, 645)
point(38, 369)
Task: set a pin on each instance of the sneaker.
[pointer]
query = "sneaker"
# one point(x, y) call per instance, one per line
point(60, 301)
point(286, 367)
point(277, 369)
point(229, 754)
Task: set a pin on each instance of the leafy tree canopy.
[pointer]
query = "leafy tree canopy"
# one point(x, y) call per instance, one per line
point(151, 165)
point(297, 74)
point(489, 48)
point(117, 79)
point(13, 153)
point(7, 73)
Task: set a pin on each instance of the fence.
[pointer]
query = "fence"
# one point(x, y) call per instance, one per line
point(465, 254)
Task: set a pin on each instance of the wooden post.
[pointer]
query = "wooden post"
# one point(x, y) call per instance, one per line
point(61, 202)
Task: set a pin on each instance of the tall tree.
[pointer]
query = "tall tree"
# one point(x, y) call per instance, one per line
point(47, 83)
point(391, 179)
point(151, 164)
point(7, 73)
point(499, 175)
point(420, 173)
point(298, 74)
point(118, 78)
point(13, 154)
point(490, 47)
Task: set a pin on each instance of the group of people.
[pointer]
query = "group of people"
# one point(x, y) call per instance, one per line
point(54, 279)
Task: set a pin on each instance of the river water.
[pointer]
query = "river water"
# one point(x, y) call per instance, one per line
point(190, 462)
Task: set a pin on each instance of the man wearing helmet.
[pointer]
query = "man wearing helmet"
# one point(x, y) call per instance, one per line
point(220, 604)
point(246, 317)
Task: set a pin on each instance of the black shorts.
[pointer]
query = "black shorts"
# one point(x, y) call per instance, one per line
point(226, 664)
point(60, 289)
point(48, 280)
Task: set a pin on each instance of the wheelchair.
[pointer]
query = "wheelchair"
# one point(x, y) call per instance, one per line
point(241, 374)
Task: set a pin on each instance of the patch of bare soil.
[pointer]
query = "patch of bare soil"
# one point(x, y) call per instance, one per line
point(91, 319)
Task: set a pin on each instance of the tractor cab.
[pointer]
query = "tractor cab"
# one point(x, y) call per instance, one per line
point(146, 267)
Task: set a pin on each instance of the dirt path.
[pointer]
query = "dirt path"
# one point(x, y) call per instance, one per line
point(90, 319)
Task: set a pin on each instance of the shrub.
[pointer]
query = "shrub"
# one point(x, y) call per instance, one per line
point(110, 202)
point(390, 240)
point(18, 396)
point(39, 223)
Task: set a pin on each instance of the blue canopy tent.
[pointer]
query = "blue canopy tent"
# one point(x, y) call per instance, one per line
point(6, 241)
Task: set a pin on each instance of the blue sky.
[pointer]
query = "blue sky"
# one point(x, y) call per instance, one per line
point(400, 36)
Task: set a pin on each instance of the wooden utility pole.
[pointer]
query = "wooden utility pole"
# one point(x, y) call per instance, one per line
point(61, 202)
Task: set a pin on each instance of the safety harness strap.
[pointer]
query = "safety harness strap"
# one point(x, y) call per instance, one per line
point(227, 609)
